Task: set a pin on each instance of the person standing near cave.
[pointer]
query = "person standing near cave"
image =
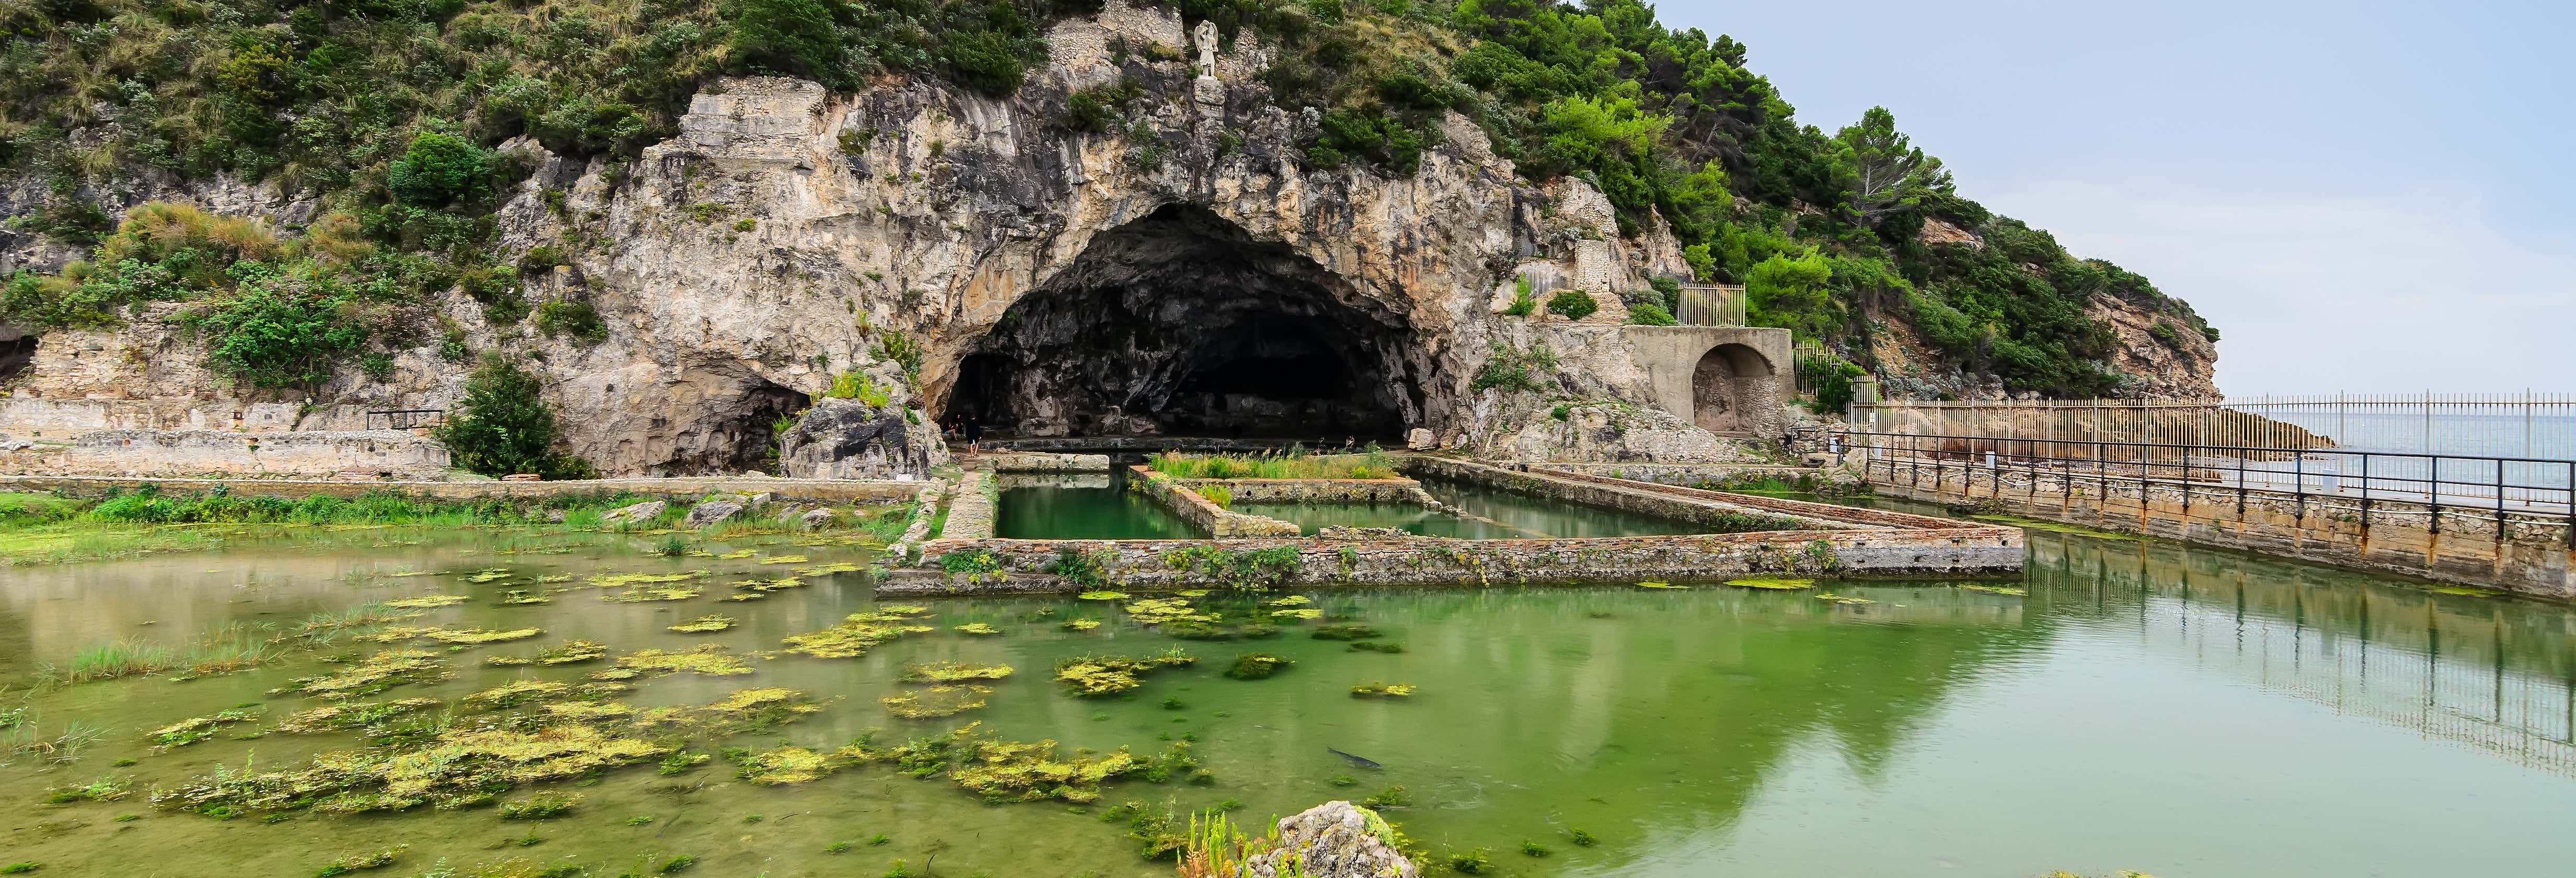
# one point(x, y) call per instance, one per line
point(974, 434)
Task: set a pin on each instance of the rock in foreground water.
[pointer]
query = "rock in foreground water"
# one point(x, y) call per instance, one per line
point(1335, 840)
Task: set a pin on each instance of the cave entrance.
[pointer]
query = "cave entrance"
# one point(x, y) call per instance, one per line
point(1181, 324)
point(1727, 389)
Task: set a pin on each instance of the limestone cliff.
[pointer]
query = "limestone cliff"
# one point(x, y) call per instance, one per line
point(1180, 269)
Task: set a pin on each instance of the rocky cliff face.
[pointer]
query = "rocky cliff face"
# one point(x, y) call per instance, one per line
point(1182, 270)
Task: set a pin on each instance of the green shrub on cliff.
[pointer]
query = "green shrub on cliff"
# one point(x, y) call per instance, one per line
point(1650, 314)
point(1572, 304)
point(280, 329)
point(502, 426)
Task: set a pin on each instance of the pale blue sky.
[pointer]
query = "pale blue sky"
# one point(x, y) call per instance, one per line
point(2363, 196)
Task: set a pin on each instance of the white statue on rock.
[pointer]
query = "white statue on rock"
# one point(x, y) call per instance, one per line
point(1205, 36)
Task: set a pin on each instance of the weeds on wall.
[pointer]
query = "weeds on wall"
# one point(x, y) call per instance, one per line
point(1513, 370)
point(1295, 463)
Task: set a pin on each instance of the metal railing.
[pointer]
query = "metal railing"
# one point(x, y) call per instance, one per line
point(2448, 484)
point(1711, 305)
point(2527, 425)
point(406, 419)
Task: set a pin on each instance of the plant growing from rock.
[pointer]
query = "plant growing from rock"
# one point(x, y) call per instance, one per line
point(1524, 302)
point(1572, 304)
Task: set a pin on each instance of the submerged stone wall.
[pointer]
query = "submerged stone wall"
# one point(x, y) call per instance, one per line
point(1318, 490)
point(1178, 564)
point(1209, 518)
point(1719, 512)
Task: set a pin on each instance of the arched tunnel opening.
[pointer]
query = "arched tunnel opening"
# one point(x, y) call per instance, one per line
point(1180, 324)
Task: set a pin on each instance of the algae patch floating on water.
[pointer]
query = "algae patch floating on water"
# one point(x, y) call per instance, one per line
point(1256, 666)
point(453, 636)
point(629, 580)
point(859, 633)
point(1998, 589)
point(461, 768)
point(703, 625)
point(937, 701)
point(426, 602)
point(515, 693)
point(952, 672)
point(342, 717)
point(1006, 771)
point(378, 672)
point(709, 659)
point(1382, 690)
point(1343, 632)
point(1111, 674)
point(571, 652)
point(785, 765)
point(194, 729)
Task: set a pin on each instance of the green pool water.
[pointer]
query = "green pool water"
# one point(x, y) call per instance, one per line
point(1089, 507)
point(1098, 507)
point(2145, 706)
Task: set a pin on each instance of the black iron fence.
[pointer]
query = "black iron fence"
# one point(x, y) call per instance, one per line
point(405, 419)
point(2447, 484)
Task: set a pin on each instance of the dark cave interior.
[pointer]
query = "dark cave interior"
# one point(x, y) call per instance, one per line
point(1180, 324)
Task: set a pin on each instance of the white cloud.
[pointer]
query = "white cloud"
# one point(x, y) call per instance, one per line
point(2315, 294)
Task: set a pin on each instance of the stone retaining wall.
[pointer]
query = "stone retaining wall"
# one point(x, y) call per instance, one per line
point(63, 419)
point(215, 453)
point(1209, 518)
point(1848, 516)
point(2516, 550)
point(688, 488)
point(1043, 462)
point(1161, 564)
point(1721, 476)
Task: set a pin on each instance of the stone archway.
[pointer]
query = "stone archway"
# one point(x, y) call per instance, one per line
point(1733, 391)
point(1180, 323)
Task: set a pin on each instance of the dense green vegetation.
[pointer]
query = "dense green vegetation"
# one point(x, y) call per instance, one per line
point(501, 427)
point(392, 112)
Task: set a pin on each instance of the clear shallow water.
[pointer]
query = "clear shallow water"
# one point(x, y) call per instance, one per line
point(2146, 707)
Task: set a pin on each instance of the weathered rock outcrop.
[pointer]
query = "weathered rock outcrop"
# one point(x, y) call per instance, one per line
point(1335, 840)
point(849, 439)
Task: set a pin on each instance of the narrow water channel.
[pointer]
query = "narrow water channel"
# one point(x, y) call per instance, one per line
point(2145, 706)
